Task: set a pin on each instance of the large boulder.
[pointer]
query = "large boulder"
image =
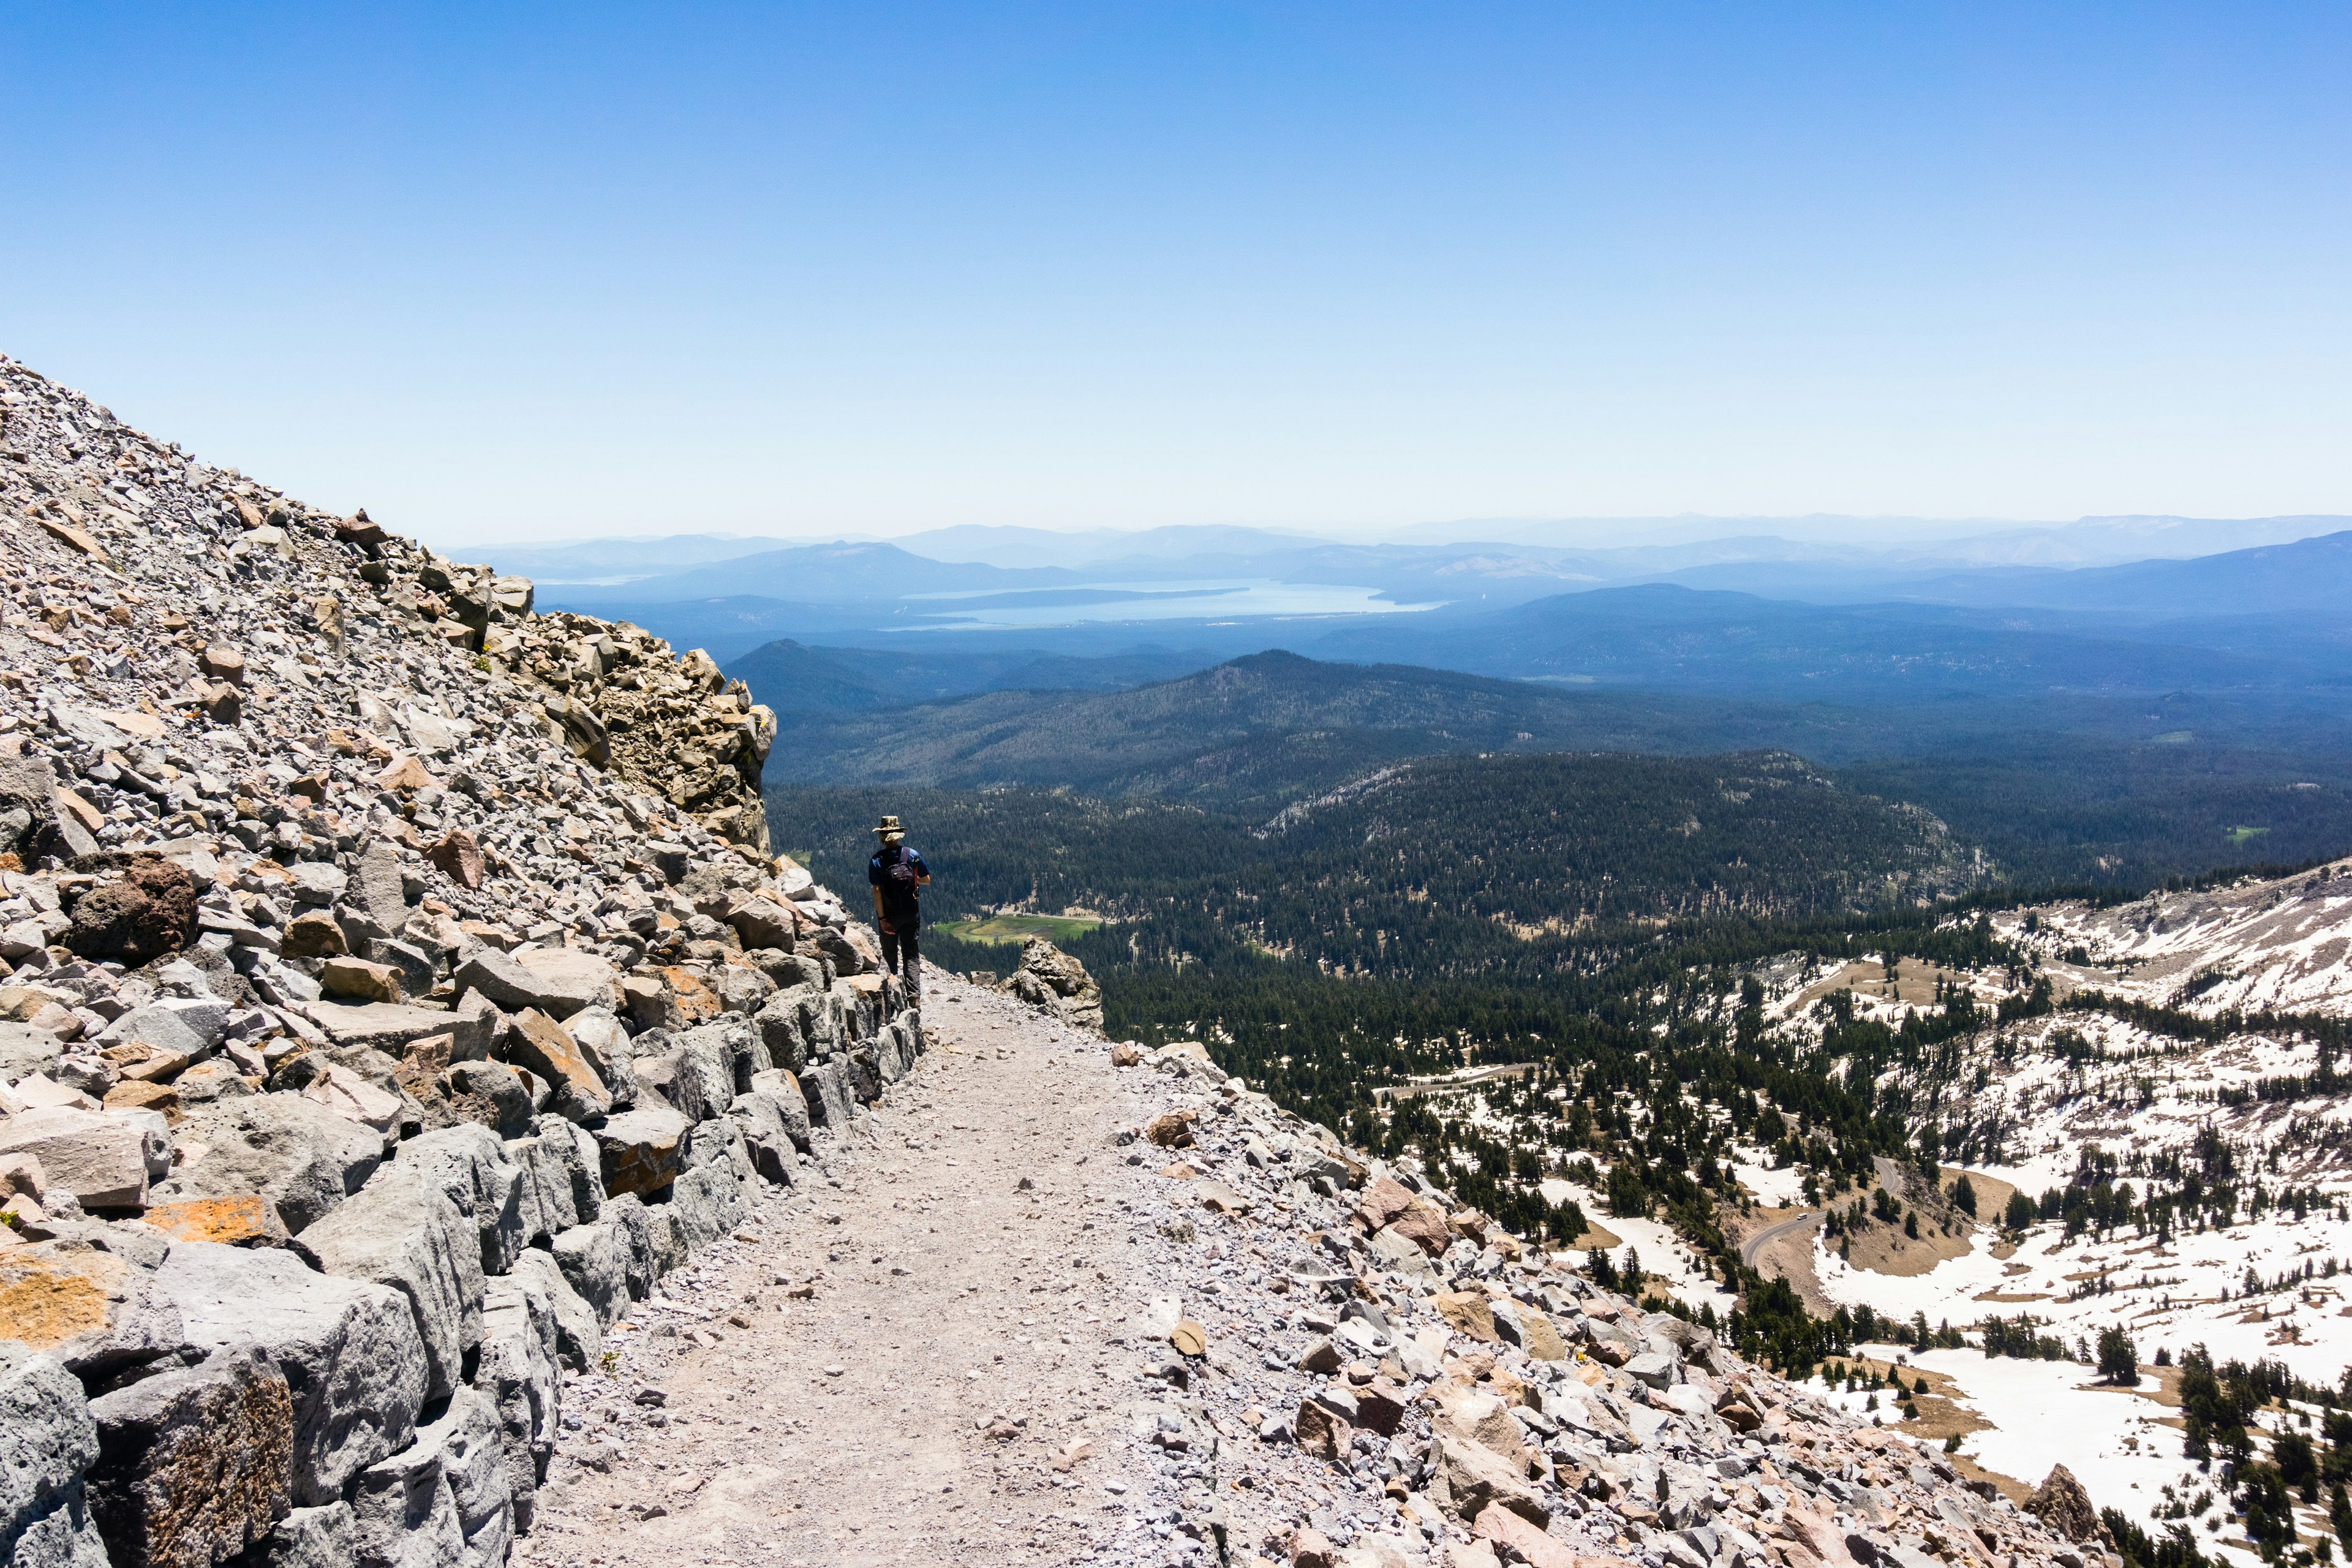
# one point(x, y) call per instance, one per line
point(496, 976)
point(47, 1442)
point(604, 1042)
point(148, 910)
point(538, 1042)
point(472, 1450)
point(402, 1231)
point(392, 1026)
point(25, 1050)
point(306, 1538)
point(641, 1151)
point(707, 1203)
point(2062, 1503)
point(300, 1156)
point(1052, 981)
point(765, 1136)
point(792, 1104)
point(800, 1023)
point(579, 1337)
point(354, 1368)
point(102, 1159)
point(577, 1150)
point(518, 1373)
point(764, 922)
point(700, 1071)
point(654, 1246)
point(543, 1192)
point(470, 1167)
point(404, 1514)
point(826, 1088)
point(566, 979)
point(193, 1465)
point(594, 1260)
point(98, 1313)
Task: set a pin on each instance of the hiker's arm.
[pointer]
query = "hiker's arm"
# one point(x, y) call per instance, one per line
point(877, 903)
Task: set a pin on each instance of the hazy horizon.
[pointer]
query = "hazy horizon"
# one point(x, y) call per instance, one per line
point(498, 273)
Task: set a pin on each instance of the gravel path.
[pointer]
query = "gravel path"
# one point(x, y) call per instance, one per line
point(966, 1254)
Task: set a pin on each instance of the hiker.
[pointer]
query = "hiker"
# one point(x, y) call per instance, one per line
point(897, 874)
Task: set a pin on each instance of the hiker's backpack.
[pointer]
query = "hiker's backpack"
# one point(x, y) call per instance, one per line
point(901, 875)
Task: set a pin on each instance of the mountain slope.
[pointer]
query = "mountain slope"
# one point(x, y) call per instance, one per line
point(1679, 640)
point(1259, 731)
point(1448, 866)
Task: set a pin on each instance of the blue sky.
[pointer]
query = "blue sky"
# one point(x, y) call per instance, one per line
point(522, 271)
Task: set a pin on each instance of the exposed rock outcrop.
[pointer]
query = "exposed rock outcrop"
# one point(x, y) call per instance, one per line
point(1053, 982)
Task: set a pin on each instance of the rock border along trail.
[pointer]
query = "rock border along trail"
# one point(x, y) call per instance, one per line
point(883, 1369)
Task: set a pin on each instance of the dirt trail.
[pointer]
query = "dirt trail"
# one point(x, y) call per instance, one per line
point(963, 1332)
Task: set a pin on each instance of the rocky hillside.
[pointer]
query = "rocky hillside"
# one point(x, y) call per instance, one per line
point(414, 1069)
point(396, 986)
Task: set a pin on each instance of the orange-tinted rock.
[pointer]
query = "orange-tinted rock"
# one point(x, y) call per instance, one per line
point(459, 855)
point(246, 1219)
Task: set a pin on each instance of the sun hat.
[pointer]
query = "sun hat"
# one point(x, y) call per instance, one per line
point(891, 829)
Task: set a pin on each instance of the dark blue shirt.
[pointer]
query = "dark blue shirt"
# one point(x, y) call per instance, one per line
point(900, 896)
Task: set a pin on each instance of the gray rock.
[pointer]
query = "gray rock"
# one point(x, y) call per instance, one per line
point(539, 1043)
point(497, 977)
point(695, 1075)
point(791, 1104)
point(380, 895)
point(801, 1024)
point(770, 1145)
point(348, 1349)
point(606, 1043)
point(418, 973)
point(25, 1050)
point(518, 1372)
point(596, 1262)
point(579, 1337)
point(318, 882)
point(742, 989)
point(389, 1026)
point(402, 1231)
point(164, 1028)
point(543, 1192)
point(99, 1159)
point(47, 1441)
point(826, 1088)
point(300, 1156)
point(481, 1028)
point(195, 1465)
point(490, 1093)
point(557, 980)
point(404, 1514)
point(98, 1312)
point(654, 1246)
point(473, 1460)
point(308, 1537)
point(707, 1204)
point(470, 1166)
point(583, 1161)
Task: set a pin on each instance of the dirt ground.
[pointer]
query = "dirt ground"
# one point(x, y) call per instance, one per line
point(955, 1339)
point(1914, 983)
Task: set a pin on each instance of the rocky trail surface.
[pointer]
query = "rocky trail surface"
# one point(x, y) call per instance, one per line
point(908, 1361)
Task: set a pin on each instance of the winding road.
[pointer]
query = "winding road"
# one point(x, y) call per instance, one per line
point(1772, 1233)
